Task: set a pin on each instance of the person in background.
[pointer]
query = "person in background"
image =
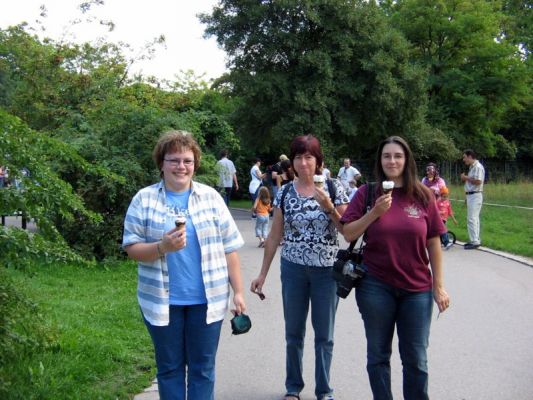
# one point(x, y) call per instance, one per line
point(227, 176)
point(276, 171)
point(308, 220)
point(2, 176)
point(404, 260)
point(256, 179)
point(262, 209)
point(326, 173)
point(185, 241)
point(287, 174)
point(348, 173)
point(352, 190)
point(432, 179)
point(474, 197)
point(445, 211)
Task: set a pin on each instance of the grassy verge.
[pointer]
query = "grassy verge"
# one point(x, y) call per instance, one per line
point(502, 228)
point(101, 348)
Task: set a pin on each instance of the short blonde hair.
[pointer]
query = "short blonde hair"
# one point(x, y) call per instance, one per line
point(176, 141)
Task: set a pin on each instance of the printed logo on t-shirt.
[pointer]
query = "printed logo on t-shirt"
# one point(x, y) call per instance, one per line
point(413, 211)
point(176, 210)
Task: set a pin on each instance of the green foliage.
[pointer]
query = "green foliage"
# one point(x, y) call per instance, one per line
point(43, 195)
point(336, 69)
point(476, 76)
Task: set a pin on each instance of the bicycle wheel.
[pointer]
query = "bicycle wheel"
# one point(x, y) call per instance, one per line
point(451, 237)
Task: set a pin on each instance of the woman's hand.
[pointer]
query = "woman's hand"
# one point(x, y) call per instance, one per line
point(173, 240)
point(257, 284)
point(240, 306)
point(382, 205)
point(323, 199)
point(441, 298)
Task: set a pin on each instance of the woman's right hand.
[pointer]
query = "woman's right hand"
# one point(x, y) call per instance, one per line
point(382, 205)
point(173, 240)
point(257, 284)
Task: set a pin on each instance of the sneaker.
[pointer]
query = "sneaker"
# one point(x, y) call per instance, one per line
point(327, 397)
point(448, 246)
point(471, 246)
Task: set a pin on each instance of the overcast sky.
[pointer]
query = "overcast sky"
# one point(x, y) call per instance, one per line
point(136, 22)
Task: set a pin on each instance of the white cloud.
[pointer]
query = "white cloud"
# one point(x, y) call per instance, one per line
point(137, 22)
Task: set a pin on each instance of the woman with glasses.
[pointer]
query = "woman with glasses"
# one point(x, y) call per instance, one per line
point(307, 218)
point(185, 241)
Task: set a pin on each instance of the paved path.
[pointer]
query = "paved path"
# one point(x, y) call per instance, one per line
point(480, 349)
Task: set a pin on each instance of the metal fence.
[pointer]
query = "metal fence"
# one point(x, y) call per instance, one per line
point(495, 170)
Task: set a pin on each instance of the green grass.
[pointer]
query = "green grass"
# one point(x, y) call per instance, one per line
point(102, 349)
point(507, 229)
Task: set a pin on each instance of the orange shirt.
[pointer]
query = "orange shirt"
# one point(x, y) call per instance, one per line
point(262, 209)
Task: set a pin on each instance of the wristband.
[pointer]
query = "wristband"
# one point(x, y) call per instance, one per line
point(159, 252)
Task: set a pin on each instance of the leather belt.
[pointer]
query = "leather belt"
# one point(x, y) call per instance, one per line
point(469, 193)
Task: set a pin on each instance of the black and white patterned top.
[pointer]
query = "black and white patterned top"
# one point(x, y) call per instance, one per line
point(310, 236)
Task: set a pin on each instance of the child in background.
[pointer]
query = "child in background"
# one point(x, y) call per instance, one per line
point(445, 211)
point(262, 207)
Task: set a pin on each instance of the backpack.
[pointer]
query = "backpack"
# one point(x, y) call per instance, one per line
point(331, 191)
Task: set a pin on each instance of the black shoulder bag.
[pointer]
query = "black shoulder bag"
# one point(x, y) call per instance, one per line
point(348, 268)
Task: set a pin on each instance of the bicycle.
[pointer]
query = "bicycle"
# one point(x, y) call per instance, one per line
point(451, 238)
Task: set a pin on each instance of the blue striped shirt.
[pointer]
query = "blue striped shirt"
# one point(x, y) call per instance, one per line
point(217, 234)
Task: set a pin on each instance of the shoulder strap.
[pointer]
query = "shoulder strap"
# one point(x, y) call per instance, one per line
point(332, 190)
point(370, 194)
point(283, 195)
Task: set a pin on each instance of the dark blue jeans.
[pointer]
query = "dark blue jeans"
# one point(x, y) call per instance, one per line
point(186, 347)
point(302, 285)
point(383, 308)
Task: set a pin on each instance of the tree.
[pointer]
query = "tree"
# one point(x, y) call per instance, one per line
point(476, 76)
point(335, 69)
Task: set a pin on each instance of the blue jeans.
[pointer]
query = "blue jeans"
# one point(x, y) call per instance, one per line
point(186, 347)
point(261, 226)
point(383, 308)
point(444, 239)
point(226, 193)
point(300, 285)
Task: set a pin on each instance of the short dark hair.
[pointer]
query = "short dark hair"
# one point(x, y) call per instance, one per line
point(223, 153)
point(176, 140)
point(307, 143)
point(470, 153)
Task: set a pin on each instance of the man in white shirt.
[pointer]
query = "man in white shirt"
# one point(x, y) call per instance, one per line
point(348, 173)
point(227, 176)
point(474, 197)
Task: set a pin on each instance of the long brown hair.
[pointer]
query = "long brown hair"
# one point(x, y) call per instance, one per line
point(411, 184)
point(264, 195)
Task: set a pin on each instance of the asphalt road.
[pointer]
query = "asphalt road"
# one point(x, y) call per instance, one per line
point(481, 348)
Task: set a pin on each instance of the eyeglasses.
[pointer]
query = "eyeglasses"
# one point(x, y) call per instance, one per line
point(175, 162)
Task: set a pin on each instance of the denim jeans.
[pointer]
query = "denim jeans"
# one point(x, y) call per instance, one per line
point(225, 193)
point(261, 226)
point(300, 286)
point(383, 308)
point(444, 239)
point(186, 347)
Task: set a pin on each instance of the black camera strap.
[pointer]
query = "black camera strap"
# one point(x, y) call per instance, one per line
point(370, 194)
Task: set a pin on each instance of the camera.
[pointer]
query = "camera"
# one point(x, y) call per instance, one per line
point(348, 270)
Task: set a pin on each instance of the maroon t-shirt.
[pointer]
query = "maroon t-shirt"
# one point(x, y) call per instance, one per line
point(395, 250)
